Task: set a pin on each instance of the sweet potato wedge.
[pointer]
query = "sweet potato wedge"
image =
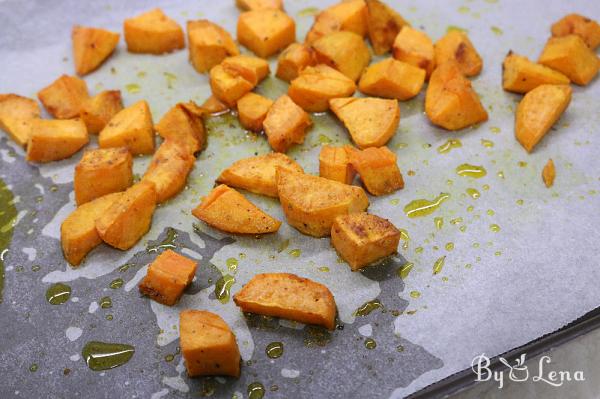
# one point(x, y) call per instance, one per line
point(521, 75)
point(266, 31)
point(252, 111)
point(325, 23)
point(285, 124)
point(253, 69)
point(377, 168)
point(586, 28)
point(334, 164)
point(167, 277)
point(416, 48)
point(153, 32)
point(228, 86)
point(91, 47)
point(53, 140)
point(293, 60)
point(315, 86)
point(383, 25)
point(209, 44)
point(184, 123)
point(248, 5)
point(351, 14)
point(214, 106)
point(97, 111)
point(64, 97)
point(549, 173)
point(16, 112)
point(344, 51)
point(571, 56)
point(391, 78)
point(131, 128)
point(455, 45)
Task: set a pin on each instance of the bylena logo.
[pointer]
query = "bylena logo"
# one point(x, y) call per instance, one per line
point(519, 372)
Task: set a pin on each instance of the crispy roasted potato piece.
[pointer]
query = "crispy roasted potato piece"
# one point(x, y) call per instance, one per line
point(285, 124)
point(351, 14)
point(248, 5)
point(228, 210)
point(391, 78)
point(288, 296)
point(383, 25)
point(416, 48)
point(576, 24)
point(78, 235)
point(571, 56)
point(102, 171)
point(258, 174)
point(184, 123)
point(455, 45)
point(207, 344)
point(549, 173)
point(252, 111)
point(253, 69)
point(344, 51)
point(228, 86)
point(209, 44)
point(167, 277)
point(131, 128)
point(371, 122)
point(293, 60)
point(127, 219)
point(377, 168)
point(64, 97)
point(97, 111)
point(325, 23)
point(153, 32)
point(310, 203)
point(521, 75)
point(315, 86)
point(450, 101)
point(16, 112)
point(91, 47)
point(213, 105)
point(334, 164)
point(266, 31)
point(538, 111)
point(53, 140)
point(362, 239)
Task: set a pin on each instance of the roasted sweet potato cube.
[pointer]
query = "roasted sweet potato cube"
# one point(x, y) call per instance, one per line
point(207, 344)
point(334, 164)
point(414, 47)
point(371, 122)
point(252, 111)
point(228, 86)
point(214, 106)
point(131, 128)
point(549, 173)
point(153, 32)
point(383, 25)
point(18, 129)
point(378, 169)
point(571, 56)
point(325, 23)
point(455, 45)
point(266, 31)
point(351, 14)
point(310, 203)
point(315, 86)
point(16, 112)
point(53, 140)
point(102, 171)
point(576, 24)
point(228, 210)
point(258, 174)
point(450, 101)
point(538, 111)
point(64, 97)
point(253, 69)
point(209, 44)
point(167, 277)
point(344, 51)
point(184, 123)
point(361, 238)
point(91, 47)
point(97, 111)
point(127, 219)
point(391, 78)
point(521, 75)
point(286, 124)
point(78, 235)
point(249, 5)
point(292, 60)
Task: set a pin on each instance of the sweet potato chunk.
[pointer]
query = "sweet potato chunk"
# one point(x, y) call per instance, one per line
point(334, 164)
point(344, 51)
point(228, 210)
point(266, 31)
point(127, 219)
point(315, 86)
point(207, 344)
point(209, 44)
point(450, 101)
point(362, 239)
point(167, 277)
point(153, 32)
point(538, 111)
point(288, 296)
point(214, 106)
point(549, 173)
point(78, 235)
point(53, 140)
point(310, 203)
point(416, 48)
point(383, 25)
point(253, 69)
point(258, 174)
point(371, 122)
point(455, 45)
point(286, 124)
point(292, 60)
point(16, 112)
point(252, 111)
point(64, 97)
point(325, 23)
point(586, 28)
point(391, 78)
point(183, 123)
point(228, 86)
point(91, 47)
point(97, 111)
point(521, 75)
point(102, 171)
point(351, 14)
point(377, 169)
point(249, 5)
point(571, 56)
point(131, 128)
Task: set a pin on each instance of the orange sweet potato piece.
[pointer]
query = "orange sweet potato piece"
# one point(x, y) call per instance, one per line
point(266, 31)
point(184, 123)
point(571, 56)
point(252, 111)
point(293, 60)
point(325, 23)
point(16, 112)
point(228, 86)
point(209, 44)
point(521, 75)
point(214, 106)
point(351, 14)
point(455, 45)
point(586, 28)
point(383, 25)
point(391, 78)
point(131, 128)
point(97, 111)
point(414, 47)
point(344, 51)
point(378, 169)
point(285, 124)
point(91, 47)
point(549, 173)
point(64, 97)
point(167, 277)
point(315, 86)
point(253, 69)
point(153, 32)
point(53, 140)
point(248, 5)
point(334, 164)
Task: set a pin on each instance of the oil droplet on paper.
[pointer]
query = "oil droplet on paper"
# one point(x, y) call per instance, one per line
point(487, 143)
point(274, 350)
point(367, 307)
point(438, 222)
point(449, 145)
point(449, 246)
point(424, 207)
point(439, 265)
point(415, 294)
point(133, 88)
point(404, 270)
point(495, 228)
point(106, 302)
point(471, 170)
point(232, 264)
point(104, 356)
point(116, 283)
point(256, 390)
point(223, 287)
point(295, 252)
point(370, 343)
point(405, 238)
point(495, 129)
point(58, 293)
point(473, 193)
point(167, 243)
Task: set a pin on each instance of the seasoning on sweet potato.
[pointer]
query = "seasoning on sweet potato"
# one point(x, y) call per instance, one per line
point(521, 75)
point(64, 97)
point(209, 44)
point(325, 23)
point(207, 344)
point(132, 128)
point(538, 111)
point(214, 106)
point(351, 14)
point(292, 60)
point(184, 123)
point(265, 31)
point(97, 111)
point(361, 238)
point(53, 140)
point(153, 32)
point(127, 219)
point(288, 296)
point(450, 101)
point(258, 174)
point(315, 86)
point(344, 51)
point(253, 69)
point(229, 211)
point(371, 122)
point(91, 47)
point(571, 56)
point(587, 28)
point(549, 173)
point(252, 111)
point(248, 5)
point(334, 164)
point(310, 203)
point(416, 48)
point(167, 277)
point(383, 25)
point(377, 168)
point(391, 78)
point(16, 112)
point(285, 124)
point(228, 86)
point(455, 45)
point(102, 171)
